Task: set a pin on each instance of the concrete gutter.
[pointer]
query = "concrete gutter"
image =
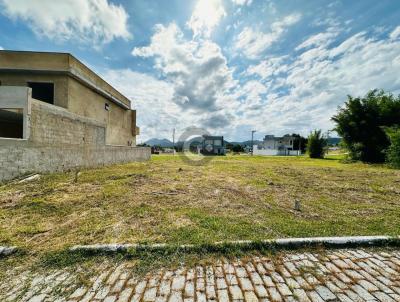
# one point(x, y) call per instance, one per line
point(7, 250)
point(285, 243)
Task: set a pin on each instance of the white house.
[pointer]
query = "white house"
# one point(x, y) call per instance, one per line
point(273, 145)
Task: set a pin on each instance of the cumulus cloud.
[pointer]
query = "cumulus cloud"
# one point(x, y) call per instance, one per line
point(206, 16)
point(395, 33)
point(242, 2)
point(305, 91)
point(197, 70)
point(254, 42)
point(89, 21)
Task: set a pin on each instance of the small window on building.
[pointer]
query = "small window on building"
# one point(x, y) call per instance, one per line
point(217, 142)
point(42, 91)
point(12, 123)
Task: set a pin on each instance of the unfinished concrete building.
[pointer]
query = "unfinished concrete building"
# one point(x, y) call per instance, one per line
point(56, 114)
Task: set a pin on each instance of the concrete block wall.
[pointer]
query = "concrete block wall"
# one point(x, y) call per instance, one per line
point(60, 140)
point(20, 159)
point(52, 125)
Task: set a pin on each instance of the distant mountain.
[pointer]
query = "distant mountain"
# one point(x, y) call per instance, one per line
point(165, 143)
point(334, 140)
point(245, 143)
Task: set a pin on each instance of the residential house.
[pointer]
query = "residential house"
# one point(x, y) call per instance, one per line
point(212, 145)
point(57, 114)
point(273, 145)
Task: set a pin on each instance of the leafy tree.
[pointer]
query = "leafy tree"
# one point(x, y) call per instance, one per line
point(237, 148)
point(299, 142)
point(361, 124)
point(393, 152)
point(316, 144)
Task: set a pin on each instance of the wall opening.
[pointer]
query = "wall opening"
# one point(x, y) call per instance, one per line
point(12, 123)
point(42, 91)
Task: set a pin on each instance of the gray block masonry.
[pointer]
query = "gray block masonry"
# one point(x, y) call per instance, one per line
point(56, 140)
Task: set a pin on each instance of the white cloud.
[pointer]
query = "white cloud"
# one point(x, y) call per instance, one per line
point(205, 17)
point(395, 33)
point(253, 42)
point(320, 39)
point(156, 113)
point(197, 73)
point(318, 80)
point(1, 48)
point(197, 70)
point(242, 2)
point(269, 67)
point(90, 21)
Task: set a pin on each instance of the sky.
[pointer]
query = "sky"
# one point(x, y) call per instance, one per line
point(228, 66)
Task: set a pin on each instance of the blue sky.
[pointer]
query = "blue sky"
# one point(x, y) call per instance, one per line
point(229, 66)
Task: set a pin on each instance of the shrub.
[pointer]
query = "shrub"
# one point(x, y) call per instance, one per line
point(237, 148)
point(316, 144)
point(393, 152)
point(360, 124)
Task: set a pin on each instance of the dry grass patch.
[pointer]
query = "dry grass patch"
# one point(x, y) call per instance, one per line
point(231, 198)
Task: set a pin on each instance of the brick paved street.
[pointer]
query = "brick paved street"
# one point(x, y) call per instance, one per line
point(337, 275)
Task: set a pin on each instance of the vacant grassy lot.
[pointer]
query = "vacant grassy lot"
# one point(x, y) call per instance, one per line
point(234, 197)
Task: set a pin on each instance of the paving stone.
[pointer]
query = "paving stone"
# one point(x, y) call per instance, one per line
point(165, 287)
point(223, 295)
point(221, 283)
point(236, 292)
point(250, 297)
point(340, 275)
point(178, 283)
point(314, 297)
point(245, 284)
point(284, 289)
point(201, 296)
point(261, 291)
point(343, 298)
point(255, 278)
point(210, 292)
point(301, 295)
point(189, 289)
point(274, 294)
point(325, 293)
point(150, 294)
point(175, 297)
point(362, 292)
point(125, 295)
point(383, 297)
point(368, 285)
point(110, 299)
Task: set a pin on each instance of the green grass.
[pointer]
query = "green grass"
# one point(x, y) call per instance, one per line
point(230, 198)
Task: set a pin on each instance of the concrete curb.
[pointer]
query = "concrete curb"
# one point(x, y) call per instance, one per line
point(7, 250)
point(285, 243)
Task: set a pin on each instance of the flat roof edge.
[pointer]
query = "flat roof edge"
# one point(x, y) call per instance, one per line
point(75, 76)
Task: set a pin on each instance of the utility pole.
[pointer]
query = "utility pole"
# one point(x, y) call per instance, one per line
point(252, 139)
point(173, 141)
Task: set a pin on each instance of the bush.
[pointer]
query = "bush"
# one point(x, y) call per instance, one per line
point(237, 148)
point(361, 124)
point(393, 152)
point(316, 144)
